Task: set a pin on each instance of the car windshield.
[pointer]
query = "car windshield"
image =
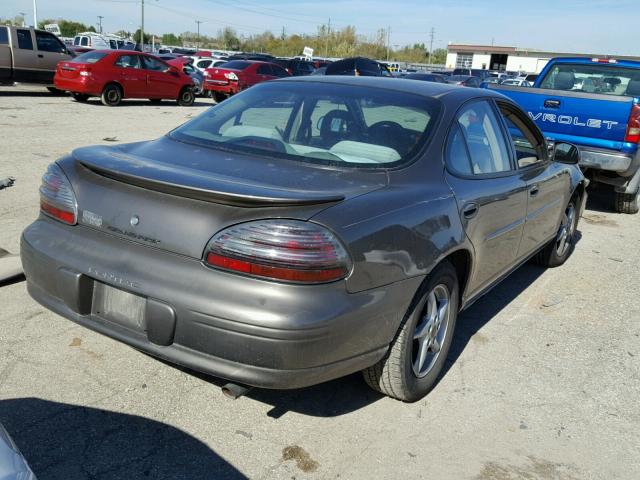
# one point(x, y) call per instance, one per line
point(323, 123)
point(89, 57)
point(237, 64)
point(591, 78)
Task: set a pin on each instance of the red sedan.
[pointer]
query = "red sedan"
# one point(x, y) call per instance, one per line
point(116, 74)
point(237, 75)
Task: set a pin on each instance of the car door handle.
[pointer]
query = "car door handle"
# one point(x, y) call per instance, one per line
point(552, 103)
point(40, 55)
point(533, 191)
point(470, 210)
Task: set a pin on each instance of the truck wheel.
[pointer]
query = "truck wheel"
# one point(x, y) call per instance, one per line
point(80, 97)
point(219, 97)
point(418, 353)
point(558, 250)
point(111, 95)
point(628, 202)
point(186, 97)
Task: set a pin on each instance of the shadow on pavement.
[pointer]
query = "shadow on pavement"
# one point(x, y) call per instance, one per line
point(65, 442)
point(601, 199)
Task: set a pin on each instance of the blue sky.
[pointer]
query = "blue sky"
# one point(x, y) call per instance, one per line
point(558, 25)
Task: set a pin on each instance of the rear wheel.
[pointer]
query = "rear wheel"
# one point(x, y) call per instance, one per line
point(219, 97)
point(80, 97)
point(558, 250)
point(628, 202)
point(55, 91)
point(111, 95)
point(186, 97)
point(418, 353)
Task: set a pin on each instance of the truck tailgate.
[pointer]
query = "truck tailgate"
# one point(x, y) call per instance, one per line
point(587, 119)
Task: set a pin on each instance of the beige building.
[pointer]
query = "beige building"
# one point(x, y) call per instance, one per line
point(490, 57)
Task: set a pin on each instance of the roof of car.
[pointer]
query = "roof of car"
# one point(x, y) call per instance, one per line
point(427, 89)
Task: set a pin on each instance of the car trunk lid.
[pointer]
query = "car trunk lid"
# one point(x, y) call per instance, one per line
point(180, 204)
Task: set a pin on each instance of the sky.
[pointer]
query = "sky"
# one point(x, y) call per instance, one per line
point(606, 27)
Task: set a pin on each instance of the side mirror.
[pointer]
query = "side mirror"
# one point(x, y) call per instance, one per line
point(566, 153)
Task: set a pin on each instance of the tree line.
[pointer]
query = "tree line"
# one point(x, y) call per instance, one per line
point(326, 42)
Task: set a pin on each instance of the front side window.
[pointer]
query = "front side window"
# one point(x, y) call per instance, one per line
point(25, 42)
point(128, 61)
point(483, 139)
point(49, 43)
point(607, 79)
point(204, 63)
point(327, 124)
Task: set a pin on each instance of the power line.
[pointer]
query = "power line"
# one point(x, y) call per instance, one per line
point(431, 35)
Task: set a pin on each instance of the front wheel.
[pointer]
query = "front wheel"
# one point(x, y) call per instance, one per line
point(628, 202)
point(558, 250)
point(186, 97)
point(111, 95)
point(418, 353)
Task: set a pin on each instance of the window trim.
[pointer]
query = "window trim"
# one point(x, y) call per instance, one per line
point(480, 176)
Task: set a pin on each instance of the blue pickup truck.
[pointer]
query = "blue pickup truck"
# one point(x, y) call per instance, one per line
point(593, 103)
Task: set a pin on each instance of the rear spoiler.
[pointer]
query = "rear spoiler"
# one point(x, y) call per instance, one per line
point(193, 184)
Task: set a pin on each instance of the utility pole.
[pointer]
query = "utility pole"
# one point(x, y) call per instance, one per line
point(388, 40)
point(142, 29)
point(35, 14)
point(23, 15)
point(326, 45)
point(198, 22)
point(431, 35)
point(100, 17)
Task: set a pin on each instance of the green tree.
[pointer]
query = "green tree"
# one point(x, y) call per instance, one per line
point(68, 28)
point(229, 38)
point(136, 37)
point(170, 39)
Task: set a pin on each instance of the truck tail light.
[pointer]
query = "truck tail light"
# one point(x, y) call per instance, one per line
point(57, 198)
point(633, 126)
point(286, 250)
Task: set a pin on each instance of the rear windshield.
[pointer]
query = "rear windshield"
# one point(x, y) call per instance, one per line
point(237, 64)
point(592, 78)
point(89, 57)
point(327, 124)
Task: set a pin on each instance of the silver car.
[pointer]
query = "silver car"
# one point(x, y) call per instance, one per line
point(13, 465)
point(305, 229)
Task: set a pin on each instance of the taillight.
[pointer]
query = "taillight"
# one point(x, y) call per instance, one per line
point(633, 126)
point(286, 250)
point(231, 76)
point(57, 198)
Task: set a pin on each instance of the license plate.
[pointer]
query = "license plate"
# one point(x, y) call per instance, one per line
point(118, 306)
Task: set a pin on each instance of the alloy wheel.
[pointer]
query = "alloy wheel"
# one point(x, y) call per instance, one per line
point(430, 332)
point(567, 227)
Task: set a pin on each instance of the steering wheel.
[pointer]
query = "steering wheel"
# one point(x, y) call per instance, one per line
point(336, 125)
point(388, 134)
point(263, 143)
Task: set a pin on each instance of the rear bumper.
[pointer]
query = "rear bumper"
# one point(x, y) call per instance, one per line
point(605, 160)
point(620, 170)
point(84, 85)
point(216, 86)
point(249, 331)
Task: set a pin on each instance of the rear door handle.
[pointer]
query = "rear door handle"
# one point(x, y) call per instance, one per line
point(470, 210)
point(552, 103)
point(533, 191)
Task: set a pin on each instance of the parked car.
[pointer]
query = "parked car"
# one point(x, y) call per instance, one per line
point(116, 74)
point(472, 72)
point(358, 66)
point(427, 77)
point(28, 55)
point(305, 229)
point(516, 82)
point(464, 80)
point(99, 41)
point(263, 57)
point(203, 63)
point(13, 465)
point(185, 63)
point(594, 103)
point(237, 75)
point(295, 66)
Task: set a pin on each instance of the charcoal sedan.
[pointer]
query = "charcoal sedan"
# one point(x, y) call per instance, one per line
point(305, 229)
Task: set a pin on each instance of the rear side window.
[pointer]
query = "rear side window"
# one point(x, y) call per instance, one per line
point(151, 63)
point(237, 64)
point(84, 41)
point(49, 43)
point(128, 61)
point(204, 63)
point(4, 36)
point(264, 70)
point(483, 139)
point(607, 79)
point(89, 57)
point(25, 42)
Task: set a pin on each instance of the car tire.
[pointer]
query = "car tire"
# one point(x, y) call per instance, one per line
point(628, 202)
point(111, 95)
point(80, 97)
point(219, 97)
point(558, 250)
point(428, 324)
point(186, 97)
point(55, 91)
point(156, 101)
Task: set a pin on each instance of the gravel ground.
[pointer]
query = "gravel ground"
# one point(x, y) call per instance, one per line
point(542, 382)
